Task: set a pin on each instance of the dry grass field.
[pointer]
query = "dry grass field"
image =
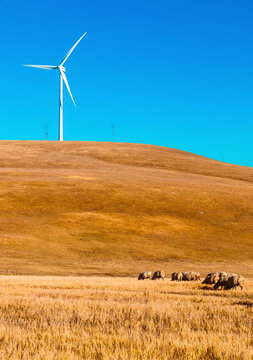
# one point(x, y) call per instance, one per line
point(98, 318)
point(76, 208)
point(113, 210)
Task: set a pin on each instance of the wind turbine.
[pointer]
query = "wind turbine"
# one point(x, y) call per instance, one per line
point(62, 78)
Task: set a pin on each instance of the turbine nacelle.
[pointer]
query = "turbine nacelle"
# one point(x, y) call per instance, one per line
point(61, 68)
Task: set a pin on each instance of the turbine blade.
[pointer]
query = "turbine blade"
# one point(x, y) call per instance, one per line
point(45, 67)
point(70, 51)
point(67, 85)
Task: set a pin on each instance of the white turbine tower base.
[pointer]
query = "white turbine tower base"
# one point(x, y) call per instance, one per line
point(62, 78)
point(60, 138)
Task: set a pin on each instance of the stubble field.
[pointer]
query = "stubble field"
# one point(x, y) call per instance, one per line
point(122, 318)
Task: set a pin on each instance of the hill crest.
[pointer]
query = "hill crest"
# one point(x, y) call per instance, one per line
point(114, 208)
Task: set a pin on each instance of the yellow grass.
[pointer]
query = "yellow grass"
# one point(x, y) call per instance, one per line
point(98, 318)
point(77, 208)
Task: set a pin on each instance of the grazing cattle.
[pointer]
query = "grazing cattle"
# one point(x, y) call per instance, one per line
point(176, 276)
point(190, 276)
point(145, 275)
point(158, 275)
point(223, 278)
point(230, 281)
point(211, 278)
point(234, 281)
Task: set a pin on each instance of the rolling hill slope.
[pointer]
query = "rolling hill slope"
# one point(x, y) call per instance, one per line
point(114, 208)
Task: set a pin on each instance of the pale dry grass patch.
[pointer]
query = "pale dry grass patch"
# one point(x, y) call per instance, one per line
point(122, 318)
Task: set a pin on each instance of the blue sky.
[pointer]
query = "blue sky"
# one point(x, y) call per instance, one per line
point(165, 72)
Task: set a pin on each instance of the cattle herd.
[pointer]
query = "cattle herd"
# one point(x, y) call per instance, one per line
point(220, 279)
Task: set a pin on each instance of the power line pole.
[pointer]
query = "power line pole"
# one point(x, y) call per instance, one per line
point(46, 131)
point(113, 127)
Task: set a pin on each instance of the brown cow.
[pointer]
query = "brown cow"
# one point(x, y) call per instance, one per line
point(176, 276)
point(158, 275)
point(145, 275)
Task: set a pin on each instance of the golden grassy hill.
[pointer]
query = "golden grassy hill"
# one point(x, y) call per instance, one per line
point(114, 208)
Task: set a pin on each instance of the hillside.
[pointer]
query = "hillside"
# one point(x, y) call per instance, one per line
point(112, 208)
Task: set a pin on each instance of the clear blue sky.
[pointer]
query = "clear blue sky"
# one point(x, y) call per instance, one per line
point(165, 72)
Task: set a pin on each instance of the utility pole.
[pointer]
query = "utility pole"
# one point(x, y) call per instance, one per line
point(46, 131)
point(113, 127)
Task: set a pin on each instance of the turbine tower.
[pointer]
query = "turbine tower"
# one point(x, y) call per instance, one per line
point(62, 78)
